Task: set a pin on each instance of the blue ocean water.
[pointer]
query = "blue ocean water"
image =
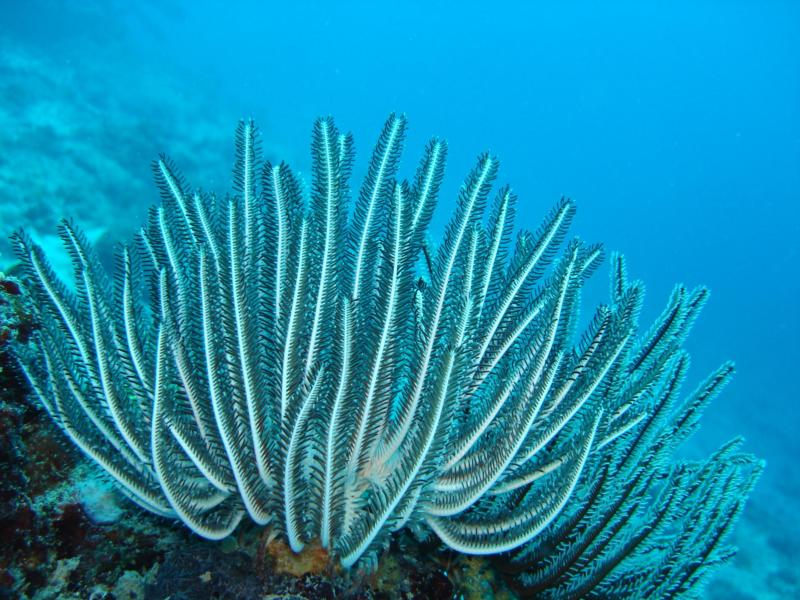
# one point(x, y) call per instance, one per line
point(674, 125)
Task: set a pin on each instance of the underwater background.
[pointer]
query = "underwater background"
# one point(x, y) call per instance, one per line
point(675, 126)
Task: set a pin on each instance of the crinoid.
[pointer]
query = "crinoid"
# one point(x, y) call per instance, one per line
point(335, 376)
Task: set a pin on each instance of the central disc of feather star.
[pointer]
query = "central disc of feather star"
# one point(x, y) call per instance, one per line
point(334, 375)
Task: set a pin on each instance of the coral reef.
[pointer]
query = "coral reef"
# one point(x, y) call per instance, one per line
point(81, 146)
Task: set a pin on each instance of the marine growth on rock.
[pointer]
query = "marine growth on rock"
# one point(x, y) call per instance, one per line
point(332, 373)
